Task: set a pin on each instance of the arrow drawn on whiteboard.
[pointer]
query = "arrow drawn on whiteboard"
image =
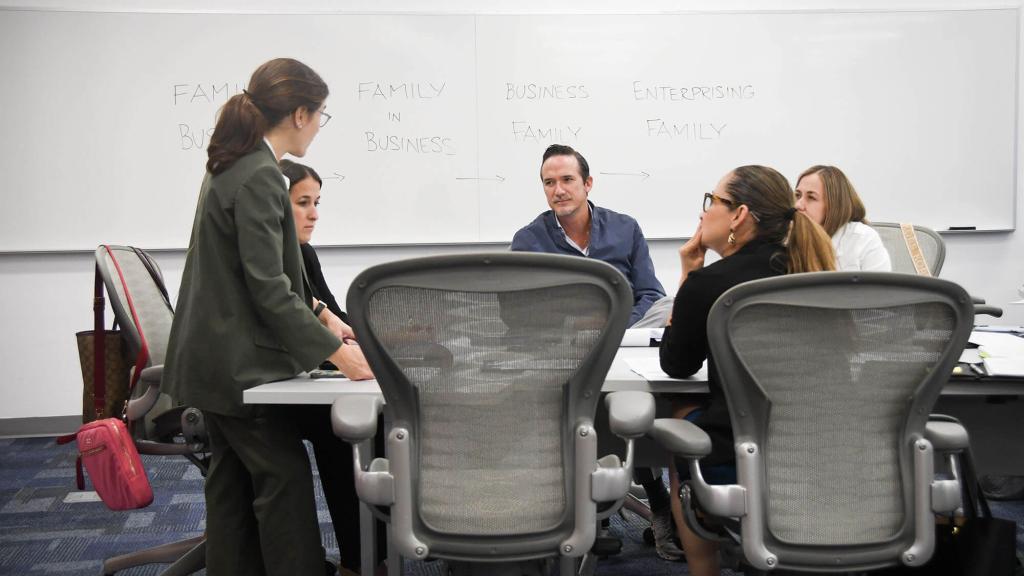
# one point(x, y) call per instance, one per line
point(497, 178)
point(338, 177)
point(642, 174)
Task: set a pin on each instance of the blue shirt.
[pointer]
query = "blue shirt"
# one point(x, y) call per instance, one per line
point(614, 238)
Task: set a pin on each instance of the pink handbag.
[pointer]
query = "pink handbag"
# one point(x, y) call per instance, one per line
point(105, 447)
point(112, 461)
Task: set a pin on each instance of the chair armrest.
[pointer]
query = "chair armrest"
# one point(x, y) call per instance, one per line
point(150, 380)
point(946, 436)
point(681, 437)
point(630, 414)
point(354, 418)
point(152, 375)
point(993, 311)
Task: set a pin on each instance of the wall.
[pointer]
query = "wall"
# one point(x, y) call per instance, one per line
point(46, 297)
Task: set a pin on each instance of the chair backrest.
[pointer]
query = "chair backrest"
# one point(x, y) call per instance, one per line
point(490, 361)
point(933, 247)
point(137, 296)
point(830, 378)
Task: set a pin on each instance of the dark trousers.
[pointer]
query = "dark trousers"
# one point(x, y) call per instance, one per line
point(260, 511)
point(337, 478)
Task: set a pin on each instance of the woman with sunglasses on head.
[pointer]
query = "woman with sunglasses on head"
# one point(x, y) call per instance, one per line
point(751, 222)
point(245, 317)
point(826, 195)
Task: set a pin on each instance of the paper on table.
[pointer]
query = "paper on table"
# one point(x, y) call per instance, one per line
point(649, 368)
point(640, 336)
point(999, 344)
point(994, 328)
point(1004, 366)
point(970, 356)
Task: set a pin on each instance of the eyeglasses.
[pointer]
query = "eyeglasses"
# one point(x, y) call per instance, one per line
point(710, 198)
point(324, 118)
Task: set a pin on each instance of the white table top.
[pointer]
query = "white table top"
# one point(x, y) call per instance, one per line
point(305, 390)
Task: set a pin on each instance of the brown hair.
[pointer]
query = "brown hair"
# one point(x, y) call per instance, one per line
point(296, 173)
point(563, 150)
point(767, 195)
point(276, 89)
point(842, 204)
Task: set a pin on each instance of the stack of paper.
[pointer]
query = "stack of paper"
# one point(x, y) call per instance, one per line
point(1001, 352)
point(1004, 366)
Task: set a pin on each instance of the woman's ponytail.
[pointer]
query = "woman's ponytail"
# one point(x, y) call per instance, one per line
point(809, 247)
point(240, 127)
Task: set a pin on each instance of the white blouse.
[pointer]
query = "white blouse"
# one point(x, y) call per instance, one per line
point(858, 247)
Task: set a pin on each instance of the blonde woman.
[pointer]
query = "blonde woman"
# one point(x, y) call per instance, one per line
point(826, 195)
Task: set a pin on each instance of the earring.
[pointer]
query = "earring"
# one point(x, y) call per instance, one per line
point(732, 238)
point(300, 126)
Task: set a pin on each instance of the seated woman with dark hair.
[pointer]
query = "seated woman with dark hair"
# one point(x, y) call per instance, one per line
point(751, 221)
point(304, 187)
point(333, 455)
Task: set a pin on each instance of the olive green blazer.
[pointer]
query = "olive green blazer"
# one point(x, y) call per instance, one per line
point(243, 314)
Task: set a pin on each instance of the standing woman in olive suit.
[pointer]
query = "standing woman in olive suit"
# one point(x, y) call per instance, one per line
point(245, 317)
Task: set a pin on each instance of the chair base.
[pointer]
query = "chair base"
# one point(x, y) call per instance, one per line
point(185, 556)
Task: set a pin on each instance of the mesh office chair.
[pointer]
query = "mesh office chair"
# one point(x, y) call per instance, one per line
point(933, 247)
point(139, 300)
point(491, 367)
point(830, 378)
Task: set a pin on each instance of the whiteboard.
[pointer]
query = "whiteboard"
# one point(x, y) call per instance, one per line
point(439, 121)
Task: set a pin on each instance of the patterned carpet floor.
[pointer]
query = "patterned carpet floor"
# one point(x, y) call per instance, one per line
point(48, 527)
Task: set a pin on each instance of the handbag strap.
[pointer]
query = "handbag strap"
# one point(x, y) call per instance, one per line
point(916, 256)
point(143, 355)
point(99, 379)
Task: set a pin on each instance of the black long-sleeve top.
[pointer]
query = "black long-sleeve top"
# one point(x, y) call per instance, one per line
point(317, 283)
point(684, 345)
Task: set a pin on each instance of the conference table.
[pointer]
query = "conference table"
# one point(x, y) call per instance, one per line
point(305, 390)
point(990, 408)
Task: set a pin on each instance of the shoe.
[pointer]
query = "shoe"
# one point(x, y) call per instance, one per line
point(664, 544)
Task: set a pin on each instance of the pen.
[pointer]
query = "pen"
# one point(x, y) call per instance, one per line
point(976, 369)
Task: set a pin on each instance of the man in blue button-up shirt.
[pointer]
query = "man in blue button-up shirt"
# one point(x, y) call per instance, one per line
point(575, 226)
